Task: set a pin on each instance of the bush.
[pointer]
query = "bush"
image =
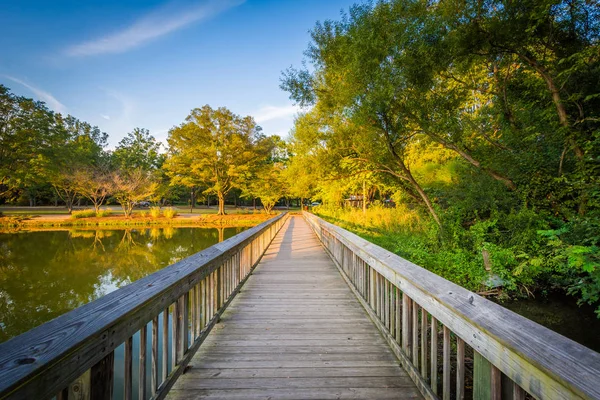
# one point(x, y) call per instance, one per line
point(104, 213)
point(83, 214)
point(170, 212)
point(144, 214)
point(155, 212)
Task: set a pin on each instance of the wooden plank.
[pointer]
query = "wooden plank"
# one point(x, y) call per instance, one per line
point(291, 383)
point(325, 372)
point(297, 394)
point(543, 362)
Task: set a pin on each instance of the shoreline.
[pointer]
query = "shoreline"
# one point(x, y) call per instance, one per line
point(13, 223)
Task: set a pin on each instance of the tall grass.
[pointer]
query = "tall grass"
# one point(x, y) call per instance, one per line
point(169, 212)
point(83, 214)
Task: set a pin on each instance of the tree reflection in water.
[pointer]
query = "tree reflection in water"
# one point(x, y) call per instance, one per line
point(47, 273)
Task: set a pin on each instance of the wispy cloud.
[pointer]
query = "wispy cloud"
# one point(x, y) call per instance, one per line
point(107, 117)
point(42, 95)
point(160, 22)
point(269, 113)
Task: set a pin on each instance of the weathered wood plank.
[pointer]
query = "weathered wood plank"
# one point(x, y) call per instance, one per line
point(298, 394)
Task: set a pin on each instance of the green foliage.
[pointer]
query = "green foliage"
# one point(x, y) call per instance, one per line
point(216, 149)
point(169, 212)
point(83, 214)
point(485, 118)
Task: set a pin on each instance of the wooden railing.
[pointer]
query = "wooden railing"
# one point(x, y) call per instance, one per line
point(170, 313)
point(454, 343)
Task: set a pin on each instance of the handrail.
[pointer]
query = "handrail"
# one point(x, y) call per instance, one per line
point(78, 347)
point(511, 354)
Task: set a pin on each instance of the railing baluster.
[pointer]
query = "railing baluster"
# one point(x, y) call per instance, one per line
point(424, 343)
point(446, 364)
point(165, 344)
point(102, 377)
point(496, 381)
point(398, 317)
point(154, 361)
point(203, 302)
point(415, 334)
point(434, 354)
point(406, 323)
point(193, 311)
point(174, 334)
point(128, 377)
point(185, 322)
point(142, 369)
point(518, 392)
point(460, 368)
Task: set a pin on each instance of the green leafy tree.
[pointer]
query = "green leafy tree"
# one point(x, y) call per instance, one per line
point(217, 149)
point(138, 150)
point(268, 184)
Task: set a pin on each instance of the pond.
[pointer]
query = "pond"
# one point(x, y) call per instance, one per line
point(45, 274)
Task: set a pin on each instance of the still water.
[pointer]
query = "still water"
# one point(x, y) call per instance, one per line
point(46, 274)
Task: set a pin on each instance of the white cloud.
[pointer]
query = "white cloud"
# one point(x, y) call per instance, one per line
point(269, 113)
point(42, 95)
point(160, 22)
point(107, 117)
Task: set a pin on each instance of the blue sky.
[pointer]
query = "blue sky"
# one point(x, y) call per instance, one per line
point(126, 64)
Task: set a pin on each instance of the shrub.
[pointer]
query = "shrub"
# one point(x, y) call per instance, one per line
point(170, 212)
point(83, 214)
point(104, 213)
point(144, 214)
point(155, 212)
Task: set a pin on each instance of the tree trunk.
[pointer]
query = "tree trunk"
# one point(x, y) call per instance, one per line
point(254, 202)
point(364, 199)
point(408, 175)
point(221, 197)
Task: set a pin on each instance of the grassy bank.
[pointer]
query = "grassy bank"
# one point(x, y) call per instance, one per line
point(136, 220)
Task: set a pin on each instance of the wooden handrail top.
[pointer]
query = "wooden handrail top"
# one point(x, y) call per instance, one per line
point(545, 363)
point(71, 344)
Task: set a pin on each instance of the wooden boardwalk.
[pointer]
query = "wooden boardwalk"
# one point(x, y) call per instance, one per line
point(295, 331)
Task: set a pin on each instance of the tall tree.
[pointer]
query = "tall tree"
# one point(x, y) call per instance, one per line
point(215, 148)
point(138, 150)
